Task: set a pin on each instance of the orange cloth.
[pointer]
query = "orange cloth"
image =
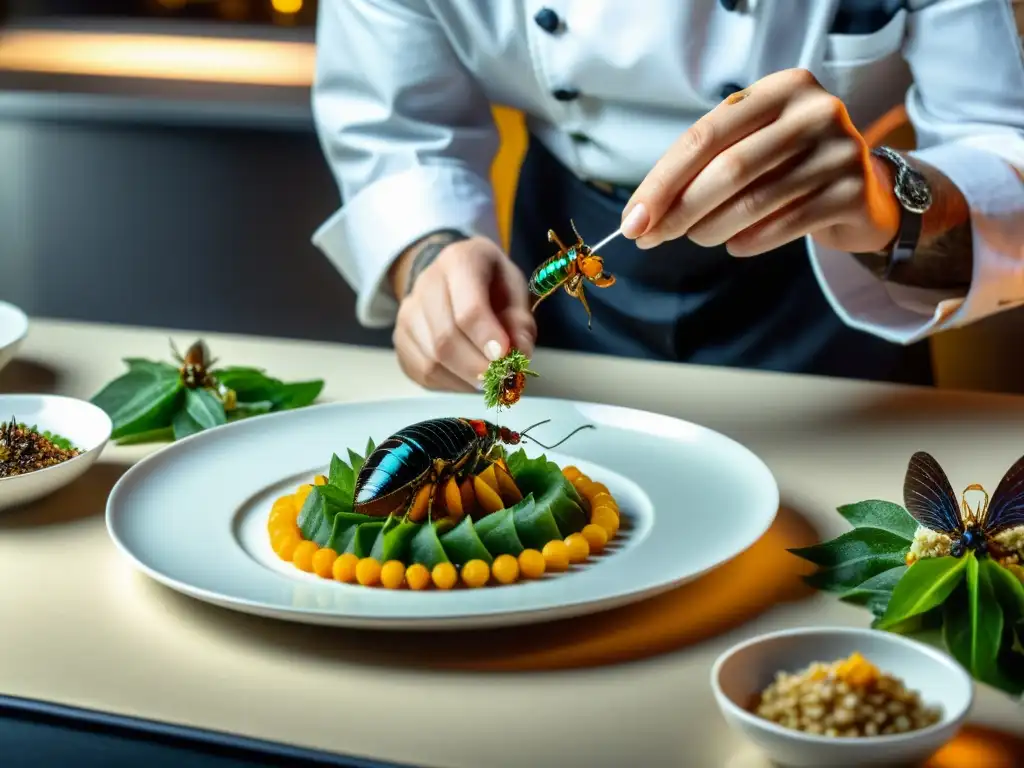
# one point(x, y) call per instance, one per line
point(735, 593)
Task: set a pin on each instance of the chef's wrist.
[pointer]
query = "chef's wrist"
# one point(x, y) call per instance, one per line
point(414, 260)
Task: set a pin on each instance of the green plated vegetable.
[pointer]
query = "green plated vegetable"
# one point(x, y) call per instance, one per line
point(462, 544)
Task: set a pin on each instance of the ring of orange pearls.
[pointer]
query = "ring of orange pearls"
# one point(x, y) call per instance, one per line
point(556, 556)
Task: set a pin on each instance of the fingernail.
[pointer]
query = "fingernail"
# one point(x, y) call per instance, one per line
point(492, 350)
point(479, 386)
point(480, 377)
point(636, 221)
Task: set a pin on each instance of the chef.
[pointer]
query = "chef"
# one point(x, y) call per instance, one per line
point(722, 137)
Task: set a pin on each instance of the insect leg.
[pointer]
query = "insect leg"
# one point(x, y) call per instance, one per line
point(553, 238)
point(575, 289)
point(538, 299)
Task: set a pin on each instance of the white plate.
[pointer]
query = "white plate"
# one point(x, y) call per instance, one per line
point(13, 329)
point(86, 426)
point(193, 516)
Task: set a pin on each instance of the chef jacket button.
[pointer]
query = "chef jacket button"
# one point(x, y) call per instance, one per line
point(729, 89)
point(548, 20)
point(566, 94)
point(729, 5)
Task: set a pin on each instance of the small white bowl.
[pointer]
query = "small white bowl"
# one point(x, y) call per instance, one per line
point(748, 668)
point(13, 330)
point(84, 424)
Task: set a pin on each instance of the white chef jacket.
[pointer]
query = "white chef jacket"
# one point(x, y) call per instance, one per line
point(403, 93)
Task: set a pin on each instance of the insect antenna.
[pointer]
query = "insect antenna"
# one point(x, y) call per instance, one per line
point(549, 447)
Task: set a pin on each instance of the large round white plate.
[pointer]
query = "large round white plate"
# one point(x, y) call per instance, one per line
point(13, 330)
point(193, 515)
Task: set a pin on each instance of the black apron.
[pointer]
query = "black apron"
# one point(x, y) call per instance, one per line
point(686, 303)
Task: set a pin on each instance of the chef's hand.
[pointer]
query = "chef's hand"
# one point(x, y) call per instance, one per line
point(768, 165)
point(465, 309)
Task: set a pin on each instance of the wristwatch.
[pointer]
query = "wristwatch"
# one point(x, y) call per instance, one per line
point(915, 197)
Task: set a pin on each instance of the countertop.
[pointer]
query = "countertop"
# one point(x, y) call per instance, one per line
point(80, 627)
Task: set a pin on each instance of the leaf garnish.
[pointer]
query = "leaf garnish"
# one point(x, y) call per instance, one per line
point(496, 394)
point(151, 402)
point(923, 587)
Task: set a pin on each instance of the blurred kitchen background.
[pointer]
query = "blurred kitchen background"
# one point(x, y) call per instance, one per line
point(158, 166)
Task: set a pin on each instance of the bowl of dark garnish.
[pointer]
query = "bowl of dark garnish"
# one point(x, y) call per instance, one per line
point(13, 330)
point(842, 696)
point(46, 442)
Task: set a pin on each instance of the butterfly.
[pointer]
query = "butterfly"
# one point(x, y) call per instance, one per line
point(929, 497)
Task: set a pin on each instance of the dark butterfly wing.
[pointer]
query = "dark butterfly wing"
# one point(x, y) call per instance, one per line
point(929, 497)
point(1006, 510)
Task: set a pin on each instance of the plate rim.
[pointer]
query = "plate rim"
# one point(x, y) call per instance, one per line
point(458, 621)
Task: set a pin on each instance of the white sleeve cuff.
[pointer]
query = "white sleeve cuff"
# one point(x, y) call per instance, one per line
point(903, 315)
point(370, 230)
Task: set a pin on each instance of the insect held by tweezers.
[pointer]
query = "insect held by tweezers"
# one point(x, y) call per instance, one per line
point(571, 268)
point(929, 498)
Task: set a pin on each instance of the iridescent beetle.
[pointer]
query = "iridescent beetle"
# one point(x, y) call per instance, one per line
point(569, 268)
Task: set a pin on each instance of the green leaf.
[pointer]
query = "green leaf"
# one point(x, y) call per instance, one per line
point(162, 435)
point(355, 461)
point(152, 367)
point(973, 626)
point(184, 425)
point(297, 395)
point(203, 406)
point(340, 475)
point(883, 515)
point(364, 538)
point(1008, 588)
point(535, 525)
point(425, 547)
point(462, 544)
point(498, 533)
point(924, 586)
point(851, 559)
point(514, 362)
point(544, 480)
point(393, 542)
point(139, 401)
point(875, 593)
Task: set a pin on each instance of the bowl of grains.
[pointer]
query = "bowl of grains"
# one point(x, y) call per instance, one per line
point(46, 442)
point(842, 696)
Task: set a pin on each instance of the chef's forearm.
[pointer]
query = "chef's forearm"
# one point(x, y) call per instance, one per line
point(944, 257)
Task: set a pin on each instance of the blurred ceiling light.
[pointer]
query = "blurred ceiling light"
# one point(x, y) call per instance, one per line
point(165, 57)
point(287, 6)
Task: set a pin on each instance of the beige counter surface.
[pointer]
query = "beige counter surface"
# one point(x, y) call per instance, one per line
point(80, 627)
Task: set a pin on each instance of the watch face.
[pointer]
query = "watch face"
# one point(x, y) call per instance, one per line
point(912, 191)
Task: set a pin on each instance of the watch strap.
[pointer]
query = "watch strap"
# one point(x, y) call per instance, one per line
point(901, 251)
